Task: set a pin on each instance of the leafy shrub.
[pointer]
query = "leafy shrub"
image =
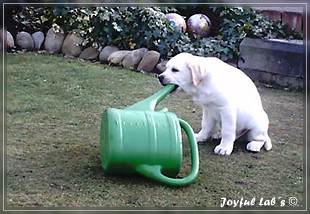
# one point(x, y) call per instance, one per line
point(126, 27)
point(236, 23)
point(135, 27)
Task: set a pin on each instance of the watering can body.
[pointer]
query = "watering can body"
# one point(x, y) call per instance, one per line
point(131, 129)
point(139, 139)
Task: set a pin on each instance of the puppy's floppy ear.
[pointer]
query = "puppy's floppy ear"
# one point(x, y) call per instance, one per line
point(198, 71)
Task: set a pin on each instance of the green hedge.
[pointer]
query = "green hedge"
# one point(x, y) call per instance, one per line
point(135, 27)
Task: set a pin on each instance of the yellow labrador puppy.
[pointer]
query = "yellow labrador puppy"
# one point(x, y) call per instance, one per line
point(228, 97)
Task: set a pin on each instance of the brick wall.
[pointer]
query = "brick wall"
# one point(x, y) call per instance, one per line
point(292, 16)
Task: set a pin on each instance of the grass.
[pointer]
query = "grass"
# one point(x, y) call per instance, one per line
point(54, 108)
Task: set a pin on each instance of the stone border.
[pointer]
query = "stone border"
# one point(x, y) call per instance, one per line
point(57, 42)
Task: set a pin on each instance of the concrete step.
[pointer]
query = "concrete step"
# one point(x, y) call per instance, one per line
point(273, 61)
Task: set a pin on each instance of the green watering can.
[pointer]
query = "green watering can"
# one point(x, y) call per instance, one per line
point(140, 140)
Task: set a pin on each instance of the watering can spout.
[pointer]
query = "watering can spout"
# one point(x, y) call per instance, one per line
point(151, 102)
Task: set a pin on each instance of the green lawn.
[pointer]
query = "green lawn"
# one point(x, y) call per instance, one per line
point(54, 108)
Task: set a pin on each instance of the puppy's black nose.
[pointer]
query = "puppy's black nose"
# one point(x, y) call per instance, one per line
point(161, 79)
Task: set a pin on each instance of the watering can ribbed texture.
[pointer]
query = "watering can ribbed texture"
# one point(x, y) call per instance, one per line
point(139, 139)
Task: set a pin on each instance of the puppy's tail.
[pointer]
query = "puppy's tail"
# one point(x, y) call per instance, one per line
point(267, 143)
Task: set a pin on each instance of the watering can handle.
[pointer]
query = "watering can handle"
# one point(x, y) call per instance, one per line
point(154, 171)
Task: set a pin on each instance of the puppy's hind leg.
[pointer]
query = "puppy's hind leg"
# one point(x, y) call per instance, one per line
point(267, 143)
point(258, 135)
point(255, 145)
point(258, 141)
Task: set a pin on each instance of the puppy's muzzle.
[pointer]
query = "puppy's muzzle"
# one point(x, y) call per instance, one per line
point(162, 80)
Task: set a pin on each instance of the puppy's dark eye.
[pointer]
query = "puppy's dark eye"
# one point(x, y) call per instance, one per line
point(174, 70)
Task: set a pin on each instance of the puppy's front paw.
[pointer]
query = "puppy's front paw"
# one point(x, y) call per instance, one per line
point(223, 150)
point(200, 137)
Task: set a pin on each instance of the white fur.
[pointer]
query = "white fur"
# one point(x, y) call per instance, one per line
point(228, 97)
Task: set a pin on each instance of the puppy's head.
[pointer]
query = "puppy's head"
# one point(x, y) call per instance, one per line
point(184, 70)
